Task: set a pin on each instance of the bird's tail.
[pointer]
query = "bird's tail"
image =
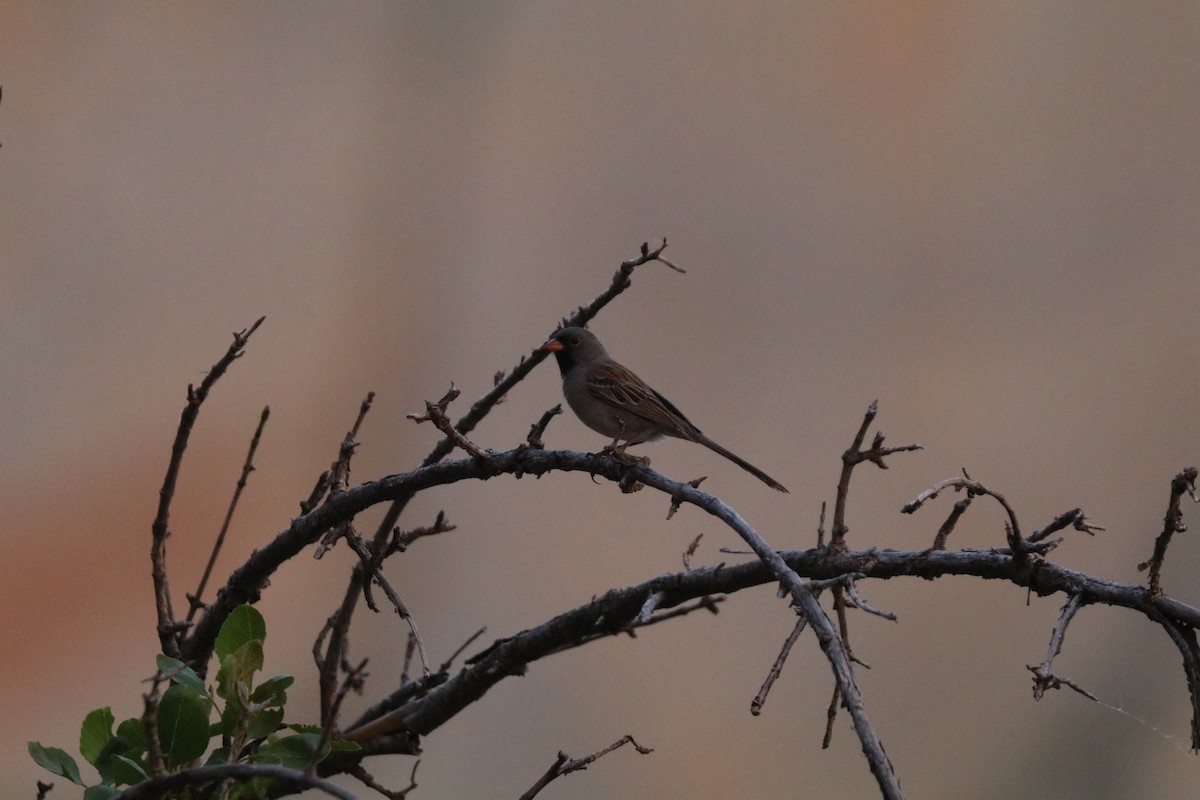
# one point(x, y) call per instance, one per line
point(743, 463)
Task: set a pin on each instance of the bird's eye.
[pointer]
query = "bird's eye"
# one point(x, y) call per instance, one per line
point(574, 341)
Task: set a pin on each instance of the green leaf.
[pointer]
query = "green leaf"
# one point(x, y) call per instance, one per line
point(272, 692)
point(179, 672)
point(295, 751)
point(57, 761)
point(239, 667)
point(264, 723)
point(127, 771)
point(344, 746)
point(244, 624)
point(133, 730)
point(182, 724)
point(128, 746)
point(95, 733)
point(101, 792)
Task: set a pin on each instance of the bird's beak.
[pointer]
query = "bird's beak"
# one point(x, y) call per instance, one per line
point(553, 346)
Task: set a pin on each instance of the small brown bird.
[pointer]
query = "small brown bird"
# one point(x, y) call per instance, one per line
point(611, 400)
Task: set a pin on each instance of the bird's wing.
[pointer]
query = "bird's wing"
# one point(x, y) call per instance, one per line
point(623, 390)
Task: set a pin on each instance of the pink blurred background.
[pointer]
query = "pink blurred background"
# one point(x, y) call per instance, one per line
point(985, 216)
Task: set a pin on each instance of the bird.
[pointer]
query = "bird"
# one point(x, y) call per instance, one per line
point(613, 401)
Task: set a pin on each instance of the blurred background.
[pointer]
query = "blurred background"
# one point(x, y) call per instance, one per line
point(984, 216)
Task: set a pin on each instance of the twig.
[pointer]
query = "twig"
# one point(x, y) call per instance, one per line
point(168, 629)
point(391, 794)
point(1172, 523)
point(459, 651)
point(410, 649)
point(848, 581)
point(648, 607)
point(706, 603)
point(318, 492)
point(393, 596)
point(401, 540)
point(564, 764)
point(959, 508)
point(691, 551)
point(197, 599)
point(1043, 678)
point(1012, 529)
point(1074, 518)
point(436, 413)
point(339, 472)
point(537, 429)
point(851, 458)
point(760, 699)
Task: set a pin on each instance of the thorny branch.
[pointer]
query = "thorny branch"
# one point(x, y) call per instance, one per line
point(169, 630)
point(209, 775)
point(436, 701)
point(423, 704)
point(564, 764)
point(196, 601)
point(1172, 523)
point(1043, 677)
point(854, 456)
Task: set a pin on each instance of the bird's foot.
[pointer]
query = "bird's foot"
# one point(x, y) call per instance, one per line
point(618, 452)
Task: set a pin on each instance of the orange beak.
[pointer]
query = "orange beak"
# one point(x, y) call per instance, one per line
point(553, 346)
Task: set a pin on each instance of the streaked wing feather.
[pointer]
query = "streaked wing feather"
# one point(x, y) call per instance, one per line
point(620, 388)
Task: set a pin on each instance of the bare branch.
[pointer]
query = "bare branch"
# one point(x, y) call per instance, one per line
point(1184, 637)
point(649, 606)
point(339, 471)
point(199, 777)
point(537, 429)
point(691, 551)
point(563, 764)
point(1043, 678)
point(1073, 518)
point(393, 596)
point(458, 652)
point(960, 508)
point(168, 628)
point(1020, 548)
point(197, 599)
point(1172, 523)
point(760, 699)
point(436, 413)
point(398, 794)
point(401, 540)
point(854, 456)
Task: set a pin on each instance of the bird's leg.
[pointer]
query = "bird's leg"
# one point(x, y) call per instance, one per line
point(617, 450)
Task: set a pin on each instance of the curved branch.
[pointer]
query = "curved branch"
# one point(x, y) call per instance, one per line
point(195, 777)
point(615, 611)
point(168, 627)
